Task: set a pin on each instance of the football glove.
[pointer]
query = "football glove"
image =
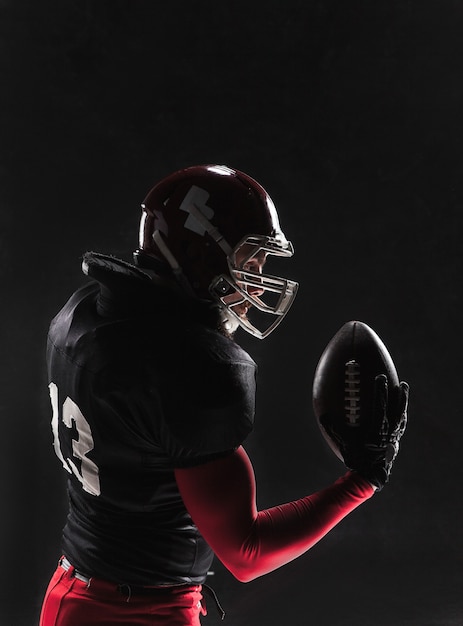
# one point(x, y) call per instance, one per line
point(372, 449)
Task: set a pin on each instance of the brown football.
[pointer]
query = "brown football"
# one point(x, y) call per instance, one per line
point(344, 381)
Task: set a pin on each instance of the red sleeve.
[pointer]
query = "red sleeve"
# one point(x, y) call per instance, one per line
point(221, 498)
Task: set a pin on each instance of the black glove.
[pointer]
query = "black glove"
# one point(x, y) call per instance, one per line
point(371, 450)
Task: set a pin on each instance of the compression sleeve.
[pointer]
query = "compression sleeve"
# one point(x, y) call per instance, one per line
point(221, 499)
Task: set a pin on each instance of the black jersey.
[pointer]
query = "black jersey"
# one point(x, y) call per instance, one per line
point(141, 383)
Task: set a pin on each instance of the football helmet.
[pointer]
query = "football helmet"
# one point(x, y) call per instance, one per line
point(212, 228)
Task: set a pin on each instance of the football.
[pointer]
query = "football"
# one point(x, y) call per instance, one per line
point(344, 380)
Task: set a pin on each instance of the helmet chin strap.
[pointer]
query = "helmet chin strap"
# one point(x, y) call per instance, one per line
point(230, 322)
point(211, 230)
point(174, 264)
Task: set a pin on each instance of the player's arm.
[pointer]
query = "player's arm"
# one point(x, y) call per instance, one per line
point(221, 498)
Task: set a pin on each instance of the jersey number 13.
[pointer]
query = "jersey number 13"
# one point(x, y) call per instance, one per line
point(88, 475)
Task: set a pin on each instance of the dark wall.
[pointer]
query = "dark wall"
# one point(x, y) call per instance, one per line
point(349, 113)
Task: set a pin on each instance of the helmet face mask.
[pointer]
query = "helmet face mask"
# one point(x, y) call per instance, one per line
point(246, 289)
point(213, 229)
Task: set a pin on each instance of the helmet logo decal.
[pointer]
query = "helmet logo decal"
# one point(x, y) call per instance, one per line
point(196, 197)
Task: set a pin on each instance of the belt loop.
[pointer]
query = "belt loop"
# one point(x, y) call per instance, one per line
point(67, 566)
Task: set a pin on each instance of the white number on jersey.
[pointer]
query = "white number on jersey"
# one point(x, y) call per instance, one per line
point(88, 474)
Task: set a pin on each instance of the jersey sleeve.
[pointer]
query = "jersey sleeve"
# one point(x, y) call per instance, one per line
point(221, 498)
point(208, 400)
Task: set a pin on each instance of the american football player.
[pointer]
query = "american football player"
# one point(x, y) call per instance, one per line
point(152, 399)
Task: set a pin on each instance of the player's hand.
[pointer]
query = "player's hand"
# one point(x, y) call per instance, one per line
point(372, 451)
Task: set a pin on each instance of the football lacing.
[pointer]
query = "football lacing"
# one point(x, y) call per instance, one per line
point(352, 393)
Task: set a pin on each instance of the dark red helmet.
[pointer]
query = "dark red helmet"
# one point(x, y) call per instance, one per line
point(206, 224)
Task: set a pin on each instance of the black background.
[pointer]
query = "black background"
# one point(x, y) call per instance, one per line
point(349, 112)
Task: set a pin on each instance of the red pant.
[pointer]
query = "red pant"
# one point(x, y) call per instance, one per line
point(71, 602)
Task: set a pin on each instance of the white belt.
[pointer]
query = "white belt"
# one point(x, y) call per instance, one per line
point(67, 566)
